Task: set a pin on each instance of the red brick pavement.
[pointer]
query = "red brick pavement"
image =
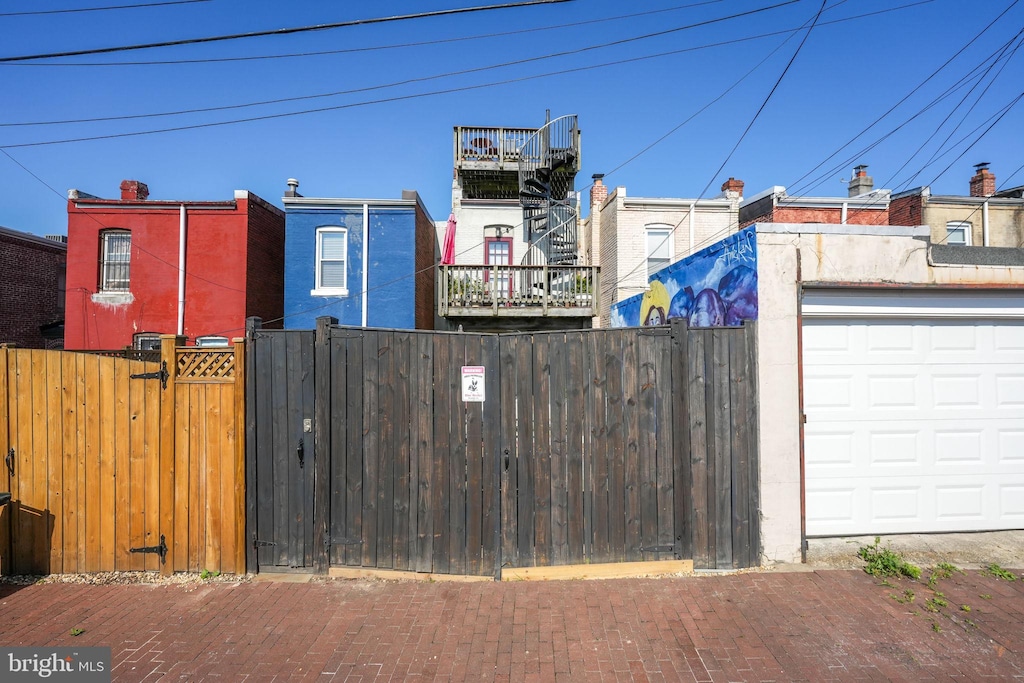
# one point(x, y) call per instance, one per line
point(822, 626)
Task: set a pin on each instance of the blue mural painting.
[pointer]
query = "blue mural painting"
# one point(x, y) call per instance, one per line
point(716, 287)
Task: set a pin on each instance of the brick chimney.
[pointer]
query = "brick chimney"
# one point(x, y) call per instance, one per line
point(598, 191)
point(134, 190)
point(733, 185)
point(983, 183)
point(861, 182)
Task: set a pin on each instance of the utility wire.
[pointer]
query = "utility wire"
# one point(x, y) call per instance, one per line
point(279, 31)
point(373, 48)
point(420, 79)
point(99, 9)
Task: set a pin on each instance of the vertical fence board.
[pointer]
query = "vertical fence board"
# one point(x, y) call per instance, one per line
point(575, 380)
point(122, 465)
point(136, 466)
point(338, 453)
point(425, 455)
point(723, 451)
point(306, 411)
point(525, 501)
point(416, 378)
point(548, 454)
point(676, 416)
point(652, 517)
point(108, 464)
point(68, 424)
point(457, 457)
point(5, 478)
point(700, 475)
point(386, 450)
point(270, 481)
point(354, 459)
point(508, 454)
point(439, 499)
point(218, 469)
point(476, 464)
point(631, 454)
point(615, 415)
point(753, 435)
point(600, 548)
point(401, 398)
point(740, 409)
point(371, 433)
point(491, 461)
point(193, 432)
point(55, 458)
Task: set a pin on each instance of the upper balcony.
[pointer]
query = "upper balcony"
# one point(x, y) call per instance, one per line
point(500, 291)
point(489, 149)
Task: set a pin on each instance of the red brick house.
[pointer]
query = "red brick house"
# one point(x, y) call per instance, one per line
point(32, 298)
point(863, 206)
point(138, 268)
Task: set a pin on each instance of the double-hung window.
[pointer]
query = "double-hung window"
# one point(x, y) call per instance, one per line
point(331, 262)
point(659, 247)
point(958, 232)
point(115, 259)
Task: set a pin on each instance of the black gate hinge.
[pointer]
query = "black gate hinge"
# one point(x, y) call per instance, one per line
point(257, 543)
point(658, 549)
point(160, 374)
point(160, 550)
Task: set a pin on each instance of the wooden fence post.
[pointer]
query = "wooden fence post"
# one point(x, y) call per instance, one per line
point(168, 346)
point(252, 324)
point(6, 514)
point(322, 443)
point(238, 420)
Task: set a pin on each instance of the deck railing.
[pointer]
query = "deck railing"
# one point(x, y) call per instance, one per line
point(497, 145)
point(516, 290)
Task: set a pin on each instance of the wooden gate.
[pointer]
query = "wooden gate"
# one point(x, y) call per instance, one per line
point(106, 455)
point(590, 447)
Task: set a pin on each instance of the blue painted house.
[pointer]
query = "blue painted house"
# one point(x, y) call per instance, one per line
point(366, 262)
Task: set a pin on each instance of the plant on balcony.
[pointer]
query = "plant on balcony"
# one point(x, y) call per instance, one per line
point(465, 288)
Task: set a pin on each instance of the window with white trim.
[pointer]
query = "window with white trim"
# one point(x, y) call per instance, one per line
point(958, 232)
point(115, 260)
point(659, 247)
point(331, 261)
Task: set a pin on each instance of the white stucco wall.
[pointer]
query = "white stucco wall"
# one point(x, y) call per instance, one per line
point(790, 256)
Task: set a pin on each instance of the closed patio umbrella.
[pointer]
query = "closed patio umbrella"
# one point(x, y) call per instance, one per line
point(448, 252)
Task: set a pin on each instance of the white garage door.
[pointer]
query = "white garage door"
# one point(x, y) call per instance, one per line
point(915, 412)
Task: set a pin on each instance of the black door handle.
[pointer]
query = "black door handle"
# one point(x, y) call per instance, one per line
point(9, 459)
point(301, 452)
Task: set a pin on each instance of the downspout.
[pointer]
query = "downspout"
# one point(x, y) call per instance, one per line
point(984, 223)
point(842, 218)
point(181, 270)
point(693, 205)
point(366, 251)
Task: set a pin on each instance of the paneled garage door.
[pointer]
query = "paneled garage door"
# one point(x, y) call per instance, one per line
point(914, 409)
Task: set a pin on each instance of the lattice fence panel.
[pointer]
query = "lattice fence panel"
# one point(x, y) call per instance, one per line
point(206, 366)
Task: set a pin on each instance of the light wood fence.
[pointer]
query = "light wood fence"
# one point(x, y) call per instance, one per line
point(103, 464)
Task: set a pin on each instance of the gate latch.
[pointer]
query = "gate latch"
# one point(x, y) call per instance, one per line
point(160, 550)
point(160, 374)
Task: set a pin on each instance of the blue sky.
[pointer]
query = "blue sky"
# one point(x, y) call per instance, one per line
point(628, 98)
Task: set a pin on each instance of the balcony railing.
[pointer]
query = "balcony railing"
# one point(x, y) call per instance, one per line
point(517, 291)
point(489, 146)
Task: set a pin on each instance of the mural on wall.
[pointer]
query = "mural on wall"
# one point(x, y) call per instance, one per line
point(716, 287)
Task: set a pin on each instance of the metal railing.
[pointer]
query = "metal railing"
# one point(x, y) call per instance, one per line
point(490, 144)
point(512, 290)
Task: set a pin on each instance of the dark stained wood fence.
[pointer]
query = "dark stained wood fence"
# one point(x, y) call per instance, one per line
point(592, 446)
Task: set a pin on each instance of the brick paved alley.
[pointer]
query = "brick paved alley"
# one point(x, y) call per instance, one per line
point(759, 626)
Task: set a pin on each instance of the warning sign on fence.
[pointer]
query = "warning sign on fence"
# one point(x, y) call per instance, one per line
point(473, 383)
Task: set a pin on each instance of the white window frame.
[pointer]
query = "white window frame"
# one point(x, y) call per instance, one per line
point(952, 226)
point(661, 231)
point(319, 289)
point(107, 263)
point(146, 341)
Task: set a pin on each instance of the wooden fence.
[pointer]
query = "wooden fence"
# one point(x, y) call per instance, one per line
point(590, 447)
point(101, 461)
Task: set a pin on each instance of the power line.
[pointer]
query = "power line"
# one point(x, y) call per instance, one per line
point(279, 31)
point(99, 9)
point(372, 48)
point(420, 79)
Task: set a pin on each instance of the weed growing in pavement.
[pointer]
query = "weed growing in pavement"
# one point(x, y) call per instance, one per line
point(985, 596)
point(908, 596)
point(998, 572)
point(885, 582)
point(886, 562)
point(207, 574)
point(970, 624)
point(935, 604)
point(936, 628)
point(77, 631)
point(943, 570)
point(965, 608)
